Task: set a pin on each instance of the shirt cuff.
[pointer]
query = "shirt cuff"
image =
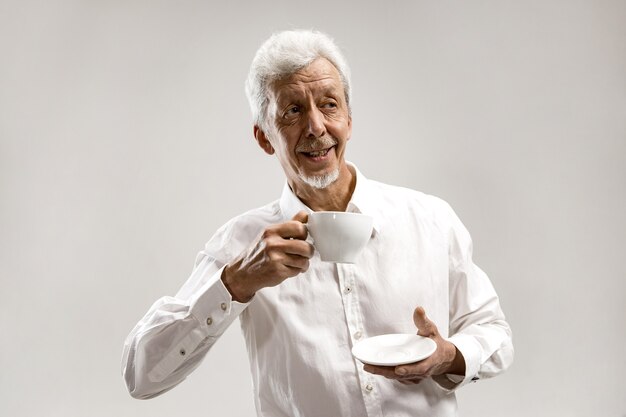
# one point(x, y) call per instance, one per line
point(214, 307)
point(471, 351)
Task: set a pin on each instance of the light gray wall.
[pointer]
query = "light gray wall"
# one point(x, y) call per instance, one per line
point(125, 141)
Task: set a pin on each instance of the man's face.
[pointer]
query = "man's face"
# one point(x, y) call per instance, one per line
point(308, 125)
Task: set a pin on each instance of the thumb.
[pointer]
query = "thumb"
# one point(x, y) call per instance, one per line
point(301, 216)
point(425, 327)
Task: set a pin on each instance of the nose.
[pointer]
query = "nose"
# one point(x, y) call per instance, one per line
point(315, 123)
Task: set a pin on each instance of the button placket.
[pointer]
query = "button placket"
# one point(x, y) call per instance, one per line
point(348, 297)
point(353, 303)
point(349, 277)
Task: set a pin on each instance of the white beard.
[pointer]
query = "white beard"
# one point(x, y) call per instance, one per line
point(321, 181)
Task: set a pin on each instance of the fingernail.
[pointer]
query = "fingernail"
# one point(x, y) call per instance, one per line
point(401, 371)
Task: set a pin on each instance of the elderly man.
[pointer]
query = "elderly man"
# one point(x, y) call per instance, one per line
point(300, 316)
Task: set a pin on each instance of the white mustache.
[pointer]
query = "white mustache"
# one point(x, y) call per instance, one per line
point(317, 144)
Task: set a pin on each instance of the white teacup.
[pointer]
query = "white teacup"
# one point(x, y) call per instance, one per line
point(339, 236)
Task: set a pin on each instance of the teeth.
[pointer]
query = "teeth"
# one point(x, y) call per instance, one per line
point(318, 153)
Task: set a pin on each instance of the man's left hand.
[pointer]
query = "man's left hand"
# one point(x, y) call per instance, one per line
point(446, 359)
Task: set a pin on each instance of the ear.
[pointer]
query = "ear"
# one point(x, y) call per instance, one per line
point(263, 141)
point(349, 126)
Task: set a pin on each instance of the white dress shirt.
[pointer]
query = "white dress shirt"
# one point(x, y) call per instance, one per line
point(299, 334)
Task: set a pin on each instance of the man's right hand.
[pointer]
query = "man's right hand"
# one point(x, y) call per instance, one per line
point(279, 253)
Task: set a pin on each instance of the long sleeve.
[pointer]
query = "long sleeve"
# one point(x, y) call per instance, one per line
point(171, 340)
point(478, 327)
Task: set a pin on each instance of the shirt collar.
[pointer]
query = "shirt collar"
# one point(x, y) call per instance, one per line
point(362, 200)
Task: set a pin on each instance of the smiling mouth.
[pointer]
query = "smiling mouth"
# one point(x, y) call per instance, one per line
point(317, 154)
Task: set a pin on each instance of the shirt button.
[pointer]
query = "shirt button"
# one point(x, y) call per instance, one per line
point(209, 321)
point(223, 306)
point(369, 388)
point(347, 290)
point(358, 335)
point(182, 352)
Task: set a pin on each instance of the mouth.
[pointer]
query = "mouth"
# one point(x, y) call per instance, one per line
point(317, 150)
point(317, 154)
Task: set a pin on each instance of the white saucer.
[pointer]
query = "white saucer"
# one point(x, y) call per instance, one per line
point(394, 349)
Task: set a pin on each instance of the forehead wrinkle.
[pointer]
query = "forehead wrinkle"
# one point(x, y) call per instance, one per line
point(320, 71)
point(299, 89)
point(319, 68)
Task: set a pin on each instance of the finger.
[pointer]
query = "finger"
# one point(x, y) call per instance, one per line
point(411, 371)
point(414, 381)
point(389, 372)
point(386, 371)
point(425, 327)
point(296, 247)
point(287, 252)
point(292, 230)
point(301, 217)
point(298, 262)
point(287, 271)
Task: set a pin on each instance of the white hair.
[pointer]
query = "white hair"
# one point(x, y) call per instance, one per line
point(321, 181)
point(283, 54)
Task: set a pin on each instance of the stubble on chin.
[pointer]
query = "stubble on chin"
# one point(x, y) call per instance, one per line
point(321, 181)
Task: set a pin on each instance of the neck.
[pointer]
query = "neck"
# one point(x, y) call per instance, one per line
point(335, 197)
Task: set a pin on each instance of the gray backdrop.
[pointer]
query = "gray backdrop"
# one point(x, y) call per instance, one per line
point(126, 141)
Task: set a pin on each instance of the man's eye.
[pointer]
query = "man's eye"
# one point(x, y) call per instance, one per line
point(292, 110)
point(330, 105)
